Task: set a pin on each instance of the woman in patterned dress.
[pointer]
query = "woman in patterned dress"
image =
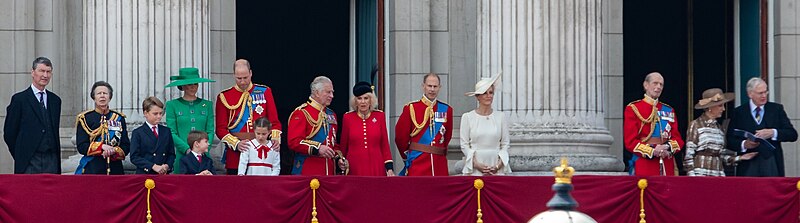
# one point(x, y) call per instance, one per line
point(705, 139)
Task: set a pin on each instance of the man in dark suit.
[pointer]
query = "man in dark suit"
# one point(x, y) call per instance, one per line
point(31, 125)
point(767, 120)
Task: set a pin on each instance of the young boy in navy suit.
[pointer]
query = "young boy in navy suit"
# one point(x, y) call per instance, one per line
point(152, 149)
point(195, 162)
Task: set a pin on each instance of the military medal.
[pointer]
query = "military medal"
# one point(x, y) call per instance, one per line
point(259, 109)
point(374, 120)
point(442, 131)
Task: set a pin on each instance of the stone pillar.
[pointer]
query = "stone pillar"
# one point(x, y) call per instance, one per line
point(787, 73)
point(551, 89)
point(137, 45)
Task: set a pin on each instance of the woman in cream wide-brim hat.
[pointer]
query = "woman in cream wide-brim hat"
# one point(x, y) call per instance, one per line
point(484, 134)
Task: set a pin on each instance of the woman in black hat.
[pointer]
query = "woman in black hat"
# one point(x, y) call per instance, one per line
point(365, 140)
point(705, 140)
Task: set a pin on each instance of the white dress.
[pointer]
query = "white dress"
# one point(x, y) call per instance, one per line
point(484, 139)
point(259, 160)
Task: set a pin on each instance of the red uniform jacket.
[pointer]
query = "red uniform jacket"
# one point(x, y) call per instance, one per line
point(648, 119)
point(310, 127)
point(365, 143)
point(236, 110)
point(415, 126)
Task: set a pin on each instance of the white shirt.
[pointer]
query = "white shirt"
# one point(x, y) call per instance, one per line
point(753, 115)
point(36, 94)
point(196, 154)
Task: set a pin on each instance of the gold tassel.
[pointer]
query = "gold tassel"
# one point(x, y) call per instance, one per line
point(798, 188)
point(314, 187)
point(149, 184)
point(479, 185)
point(642, 185)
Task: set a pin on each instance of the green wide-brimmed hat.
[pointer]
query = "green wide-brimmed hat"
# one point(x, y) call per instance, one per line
point(187, 76)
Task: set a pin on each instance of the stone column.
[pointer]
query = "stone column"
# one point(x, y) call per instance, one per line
point(787, 73)
point(137, 45)
point(550, 53)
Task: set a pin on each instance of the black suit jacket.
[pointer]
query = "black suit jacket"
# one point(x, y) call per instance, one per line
point(23, 127)
point(774, 118)
point(147, 150)
point(189, 164)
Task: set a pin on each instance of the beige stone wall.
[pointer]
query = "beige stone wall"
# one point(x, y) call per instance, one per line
point(612, 72)
point(787, 73)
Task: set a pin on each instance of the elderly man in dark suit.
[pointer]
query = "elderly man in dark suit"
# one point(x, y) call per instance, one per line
point(31, 125)
point(767, 120)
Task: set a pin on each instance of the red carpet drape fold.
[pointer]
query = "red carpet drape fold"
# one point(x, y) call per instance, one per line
point(48, 198)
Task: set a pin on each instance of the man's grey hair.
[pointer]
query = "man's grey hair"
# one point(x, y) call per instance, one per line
point(753, 83)
point(41, 60)
point(650, 76)
point(431, 74)
point(316, 85)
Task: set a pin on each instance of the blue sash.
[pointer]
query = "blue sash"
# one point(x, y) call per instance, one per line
point(244, 119)
point(82, 164)
point(321, 136)
point(661, 125)
point(426, 138)
point(632, 165)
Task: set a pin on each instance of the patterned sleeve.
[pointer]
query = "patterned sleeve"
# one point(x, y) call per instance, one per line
point(691, 146)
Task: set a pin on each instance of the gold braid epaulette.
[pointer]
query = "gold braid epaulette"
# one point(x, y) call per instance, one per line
point(94, 133)
point(639, 115)
point(643, 120)
point(245, 100)
point(418, 126)
point(238, 104)
point(316, 124)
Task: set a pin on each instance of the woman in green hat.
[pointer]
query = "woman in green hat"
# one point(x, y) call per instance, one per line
point(188, 112)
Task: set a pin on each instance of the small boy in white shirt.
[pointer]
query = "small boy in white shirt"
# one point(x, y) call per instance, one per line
point(261, 159)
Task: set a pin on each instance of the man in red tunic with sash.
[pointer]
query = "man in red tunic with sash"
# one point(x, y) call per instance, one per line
point(236, 109)
point(312, 133)
point(651, 132)
point(423, 132)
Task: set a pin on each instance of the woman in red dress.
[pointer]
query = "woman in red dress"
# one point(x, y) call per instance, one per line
point(365, 140)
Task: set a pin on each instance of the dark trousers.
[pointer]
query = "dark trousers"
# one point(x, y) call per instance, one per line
point(232, 172)
point(46, 159)
point(44, 162)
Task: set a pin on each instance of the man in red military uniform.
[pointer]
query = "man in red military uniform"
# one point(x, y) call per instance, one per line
point(651, 132)
point(312, 133)
point(236, 109)
point(423, 132)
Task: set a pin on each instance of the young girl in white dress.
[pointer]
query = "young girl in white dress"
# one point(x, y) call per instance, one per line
point(261, 159)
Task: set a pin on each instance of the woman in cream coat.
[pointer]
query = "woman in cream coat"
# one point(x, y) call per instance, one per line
point(484, 134)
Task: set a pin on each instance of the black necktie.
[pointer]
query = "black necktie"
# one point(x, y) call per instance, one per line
point(41, 100)
point(45, 115)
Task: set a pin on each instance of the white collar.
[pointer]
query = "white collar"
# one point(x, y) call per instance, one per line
point(36, 90)
point(753, 106)
point(149, 125)
point(196, 154)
